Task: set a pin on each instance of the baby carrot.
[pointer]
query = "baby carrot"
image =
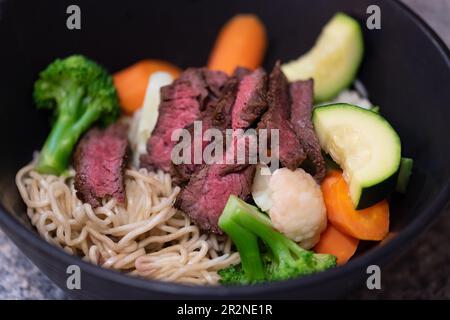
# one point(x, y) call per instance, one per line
point(334, 242)
point(368, 224)
point(242, 42)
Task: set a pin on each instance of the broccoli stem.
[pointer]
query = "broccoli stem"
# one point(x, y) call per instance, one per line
point(245, 241)
point(86, 120)
point(280, 246)
point(65, 133)
point(58, 147)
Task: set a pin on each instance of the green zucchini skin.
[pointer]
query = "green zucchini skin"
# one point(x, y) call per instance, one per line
point(375, 193)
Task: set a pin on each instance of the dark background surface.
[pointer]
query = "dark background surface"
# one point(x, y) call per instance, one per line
point(423, 272)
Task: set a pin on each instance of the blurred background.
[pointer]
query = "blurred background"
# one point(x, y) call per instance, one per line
point(421, 273)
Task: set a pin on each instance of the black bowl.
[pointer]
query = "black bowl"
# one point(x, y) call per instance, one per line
point(405, 68)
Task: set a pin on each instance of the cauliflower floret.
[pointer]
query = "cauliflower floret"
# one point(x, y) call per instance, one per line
point(294, 203)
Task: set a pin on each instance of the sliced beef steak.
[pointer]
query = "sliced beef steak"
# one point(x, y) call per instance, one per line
point(181, 173)
point(290, 152)
point(278, 92)
point(209, 83)
point(221, 112)
point(216, 115)
point(100, 160)
point(181, 104)
point(215, 81)
point(173, 115)
point(206, 84)
point(250, 101)
point(204, 198)
point(240, 153)
point(301, 93)
point(241, 72)
point(207, 192)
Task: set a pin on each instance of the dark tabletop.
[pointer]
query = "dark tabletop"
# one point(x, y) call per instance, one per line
point(421, 273)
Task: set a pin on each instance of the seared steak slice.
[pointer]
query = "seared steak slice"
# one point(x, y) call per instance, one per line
point(221, 113)
point(181, 104)
point(216, 115)
point(215, 81)
point(204, 198)
point(291, 153)
point(208, 83)
point(242, 152)
point(250, 101)
point(100, 160)
point(207, 192)
point(278, 93)
point(241, 72)
point(173, 114)
point(203, 82)
point(302, 98)
point(181, 173)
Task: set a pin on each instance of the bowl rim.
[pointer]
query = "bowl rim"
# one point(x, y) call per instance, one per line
point(415, 227)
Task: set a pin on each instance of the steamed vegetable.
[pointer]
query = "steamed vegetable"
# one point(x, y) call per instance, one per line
point(148, 115)
point(364, 145)
point(333, 61)
point(294, 203)
point(242, 42)
point(337, 243)
point(404, 174)
point(131, 82)
point(369, 224)
point(80, 92)
point(283, 258)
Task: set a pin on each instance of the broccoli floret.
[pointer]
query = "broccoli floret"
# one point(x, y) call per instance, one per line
point(80, 92)
point(234, 275)
point(284, 258)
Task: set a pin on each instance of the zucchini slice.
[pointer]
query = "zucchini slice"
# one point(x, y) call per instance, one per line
point(333, 61)
point(365, 146)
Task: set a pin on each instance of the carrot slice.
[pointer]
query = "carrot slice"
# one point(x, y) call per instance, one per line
point(369, 224)
point(131, 82)
point(242, 42)
point(334, 242)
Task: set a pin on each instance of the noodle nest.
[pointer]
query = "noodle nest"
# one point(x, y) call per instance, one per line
point(146, 237)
